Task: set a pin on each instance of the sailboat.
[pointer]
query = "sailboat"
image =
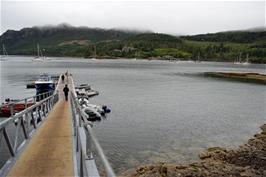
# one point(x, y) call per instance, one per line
point(247, 60)
point(4, 56)
point(238, 60)
point(95, 54)
point(39, 57)
point(198, 59)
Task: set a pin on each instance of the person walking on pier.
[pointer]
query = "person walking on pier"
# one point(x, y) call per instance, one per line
point(63, 78)
point(66, 90)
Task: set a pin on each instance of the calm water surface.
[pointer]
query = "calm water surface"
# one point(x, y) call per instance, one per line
point(161, 111)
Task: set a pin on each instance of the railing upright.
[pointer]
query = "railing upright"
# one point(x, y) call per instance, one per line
point(85, 140)
point(30, 116)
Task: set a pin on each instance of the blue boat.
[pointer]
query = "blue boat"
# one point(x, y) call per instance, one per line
point(45, 83)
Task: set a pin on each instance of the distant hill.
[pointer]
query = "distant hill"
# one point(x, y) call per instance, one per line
point(48, 36)
point(230, 36)
point(153, 40)
point(66, 40)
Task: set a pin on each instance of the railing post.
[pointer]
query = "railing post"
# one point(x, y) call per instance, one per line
point(33, 119)
point(81, 163)
point(11, 109)
point(39, 114)
point(88, 146)
point(16, 137)
point(46, 107)
point(11, 150)
point(26, 103)
point(25, 131)
point(50, 102)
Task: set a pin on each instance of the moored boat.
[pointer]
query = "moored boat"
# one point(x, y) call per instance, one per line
point(13, 105)
point(92, 111)
point(84, 90)
point(44, 84)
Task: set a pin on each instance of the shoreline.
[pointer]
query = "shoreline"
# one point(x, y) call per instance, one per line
point(247, 160)
point(239, 76)
point(144, 59)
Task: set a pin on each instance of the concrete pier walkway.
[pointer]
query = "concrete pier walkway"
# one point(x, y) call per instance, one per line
point(50, 152)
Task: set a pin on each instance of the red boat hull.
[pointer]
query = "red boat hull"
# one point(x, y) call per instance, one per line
point(17, 107)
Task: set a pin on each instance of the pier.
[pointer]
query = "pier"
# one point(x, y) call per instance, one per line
point(61, 145)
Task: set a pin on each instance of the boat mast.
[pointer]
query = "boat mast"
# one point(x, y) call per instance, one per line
point(198, 57)
point(95, 51)
point(240, 57)
point(4, 50)
point(38, 50)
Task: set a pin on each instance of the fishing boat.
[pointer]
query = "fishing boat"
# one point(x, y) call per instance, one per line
point(45, 83)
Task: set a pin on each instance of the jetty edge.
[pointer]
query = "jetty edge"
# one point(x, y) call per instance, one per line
point(258, 78)
point(247, 160)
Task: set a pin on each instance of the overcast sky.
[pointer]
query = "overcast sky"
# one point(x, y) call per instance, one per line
point(174, 17)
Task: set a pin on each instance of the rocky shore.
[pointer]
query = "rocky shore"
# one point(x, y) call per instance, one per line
point(239, 76)
point(249, 160)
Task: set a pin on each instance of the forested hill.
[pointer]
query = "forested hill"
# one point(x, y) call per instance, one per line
point(56, 35)
point(65, 40)
point(231, 36)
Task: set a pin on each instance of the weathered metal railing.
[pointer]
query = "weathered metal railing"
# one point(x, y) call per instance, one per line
point(29, 120)
point(27, 101)
point(84, 141)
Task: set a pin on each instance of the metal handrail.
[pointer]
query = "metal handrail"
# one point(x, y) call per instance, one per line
point(27, 100)
point(35, 96)
point(82, 128)
point(32, 116)
point(18, 115)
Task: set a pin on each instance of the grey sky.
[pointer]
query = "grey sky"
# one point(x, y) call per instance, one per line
point(175, 17)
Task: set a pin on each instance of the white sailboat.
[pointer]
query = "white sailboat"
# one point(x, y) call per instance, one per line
point(238, 60)
point(95, 54)
point(198, 59)
point(247, 60)
point(39, 57)
point(4, 55)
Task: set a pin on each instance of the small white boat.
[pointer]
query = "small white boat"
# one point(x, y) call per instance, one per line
point(102, 109)
point(84, 86)
point(85, 90)
point(92, 113)
point(246, 63)
point(87, 93)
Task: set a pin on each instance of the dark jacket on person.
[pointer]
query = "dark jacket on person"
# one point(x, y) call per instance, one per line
point(66, 90)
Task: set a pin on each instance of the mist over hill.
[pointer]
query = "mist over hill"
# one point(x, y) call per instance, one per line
point(67, 40)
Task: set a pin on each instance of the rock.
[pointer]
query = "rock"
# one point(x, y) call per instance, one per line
point(263, 128)
point(213, 152)
point(249, 160)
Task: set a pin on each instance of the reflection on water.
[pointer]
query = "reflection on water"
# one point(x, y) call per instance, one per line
point(161, 111)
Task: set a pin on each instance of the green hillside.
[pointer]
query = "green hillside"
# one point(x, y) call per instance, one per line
point(84, 42)
point(230, 36)
point(55, 38)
